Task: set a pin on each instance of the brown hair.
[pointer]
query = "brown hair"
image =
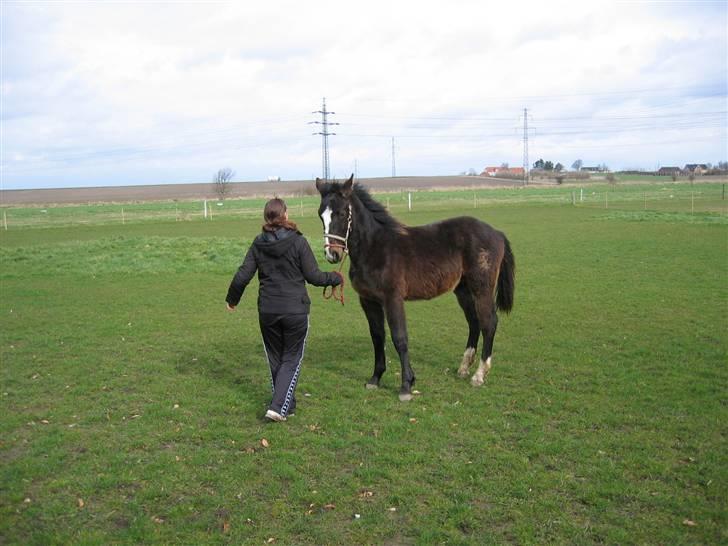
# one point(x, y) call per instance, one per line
point(274, 215)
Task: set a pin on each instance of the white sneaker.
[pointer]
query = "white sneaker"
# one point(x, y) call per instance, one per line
point(274, 416)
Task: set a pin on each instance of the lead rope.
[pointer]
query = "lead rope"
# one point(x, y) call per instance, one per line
point(337, 292)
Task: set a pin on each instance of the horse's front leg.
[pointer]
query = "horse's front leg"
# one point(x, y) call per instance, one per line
point(375, 316)
point(397, 321)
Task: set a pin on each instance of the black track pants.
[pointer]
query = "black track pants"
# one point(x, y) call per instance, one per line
point(284, 339)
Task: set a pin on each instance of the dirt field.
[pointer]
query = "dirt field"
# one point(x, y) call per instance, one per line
point(168, 192)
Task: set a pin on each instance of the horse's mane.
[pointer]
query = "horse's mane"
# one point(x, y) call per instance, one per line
point(377, 210)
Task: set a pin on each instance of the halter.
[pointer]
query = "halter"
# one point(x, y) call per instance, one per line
point(338, 295)
point(345, 238)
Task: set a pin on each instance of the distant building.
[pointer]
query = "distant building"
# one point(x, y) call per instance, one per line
point(696, 168)
point(668, 171)
point(592, 169)
point(503, 171)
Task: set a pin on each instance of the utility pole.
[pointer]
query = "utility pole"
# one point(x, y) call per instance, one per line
point(525, 146)
point(325, 123)
point(394, 168)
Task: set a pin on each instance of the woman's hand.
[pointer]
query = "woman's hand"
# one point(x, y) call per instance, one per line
point(230, 307)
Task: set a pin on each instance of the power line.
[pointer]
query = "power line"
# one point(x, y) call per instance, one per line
point(525, 146)
point(325, 123)
point(657, 90)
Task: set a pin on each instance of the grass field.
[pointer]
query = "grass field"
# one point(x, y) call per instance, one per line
point(132, 402)
point(661, 196)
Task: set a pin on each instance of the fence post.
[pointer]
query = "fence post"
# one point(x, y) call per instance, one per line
point(409, 201)
point(645, 200)
point(723, 193)
point(692, 203)
point(123, 220)
point(475, 201)
point(581, 196)
point(5, 220)
point(606, 200)
point(204, 206)
point(573, 198)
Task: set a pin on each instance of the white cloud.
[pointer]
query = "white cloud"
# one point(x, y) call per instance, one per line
point(110, 93)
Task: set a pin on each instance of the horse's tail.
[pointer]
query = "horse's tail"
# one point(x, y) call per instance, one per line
point(506, 279)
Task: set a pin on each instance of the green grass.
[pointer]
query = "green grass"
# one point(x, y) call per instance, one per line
point(126, 384)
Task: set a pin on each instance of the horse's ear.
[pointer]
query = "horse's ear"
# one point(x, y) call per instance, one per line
point(347, 187)
point(319, 184)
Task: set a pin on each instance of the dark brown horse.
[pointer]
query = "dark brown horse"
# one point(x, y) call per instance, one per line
point(392, 263)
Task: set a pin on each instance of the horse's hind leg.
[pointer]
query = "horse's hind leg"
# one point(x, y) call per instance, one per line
point(485, 307)
point(375, 316)
point(465, 299)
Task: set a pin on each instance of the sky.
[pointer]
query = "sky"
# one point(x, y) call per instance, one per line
point(129, 93)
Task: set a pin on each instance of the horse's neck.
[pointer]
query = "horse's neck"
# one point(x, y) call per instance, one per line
point(364, 232)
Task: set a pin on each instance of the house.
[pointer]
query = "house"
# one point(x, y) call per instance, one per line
point(668, 171)
point(514, 171)
point(503, 171)
point(591, 169)
point(696, 168)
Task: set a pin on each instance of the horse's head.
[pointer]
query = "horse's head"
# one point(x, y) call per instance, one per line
point(335, 213)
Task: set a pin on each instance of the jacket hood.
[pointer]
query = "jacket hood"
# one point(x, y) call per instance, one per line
point(276, 243)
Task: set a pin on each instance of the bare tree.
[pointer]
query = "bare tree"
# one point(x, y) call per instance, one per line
point(576, 165)
point(222, 180)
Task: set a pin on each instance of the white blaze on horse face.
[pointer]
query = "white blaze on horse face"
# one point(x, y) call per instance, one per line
point(326, 217)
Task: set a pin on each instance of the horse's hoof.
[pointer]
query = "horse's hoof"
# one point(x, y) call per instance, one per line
point(463, 373)
point(405, 397)
point(477, 381)
point(372, 386)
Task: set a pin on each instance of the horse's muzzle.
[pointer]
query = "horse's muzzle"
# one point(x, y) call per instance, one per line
point(333, 255)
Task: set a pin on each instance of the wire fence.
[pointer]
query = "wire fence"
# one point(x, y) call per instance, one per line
point(694, 199)
point(710, 200)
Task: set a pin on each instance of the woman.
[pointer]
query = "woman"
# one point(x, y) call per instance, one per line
point(285, 262)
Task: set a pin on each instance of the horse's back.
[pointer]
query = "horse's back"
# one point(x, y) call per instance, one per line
point(457, 234)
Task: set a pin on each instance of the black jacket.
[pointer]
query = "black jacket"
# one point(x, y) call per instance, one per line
point(285, 263)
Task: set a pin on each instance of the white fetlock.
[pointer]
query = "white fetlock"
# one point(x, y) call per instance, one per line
point(482, 372)
point(405, 397)
point(468, 357)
